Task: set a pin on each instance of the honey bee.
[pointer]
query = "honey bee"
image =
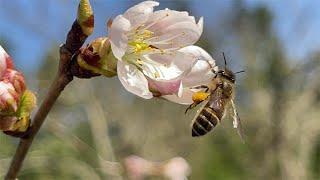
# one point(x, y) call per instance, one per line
point(217, 98)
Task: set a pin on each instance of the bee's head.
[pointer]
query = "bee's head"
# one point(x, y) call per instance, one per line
point(226, 73)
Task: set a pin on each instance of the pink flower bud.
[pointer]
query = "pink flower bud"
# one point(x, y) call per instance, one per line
point(16, 103)
point(16, 79)
point(8, 98)
point(5, 61)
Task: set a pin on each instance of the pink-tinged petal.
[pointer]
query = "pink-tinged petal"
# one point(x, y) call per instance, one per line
point(133, 80)
point(185, 98)
point(173, 29)
point(139, 14)
point(164, 87)
point(118, 38)
point(4, 57)
point(16, 79)
point(201, 72)
point(8, 97)
point(177, 36)
point(164, 18)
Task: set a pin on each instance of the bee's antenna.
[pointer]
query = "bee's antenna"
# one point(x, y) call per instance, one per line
point(225, 61)
point(239, 72)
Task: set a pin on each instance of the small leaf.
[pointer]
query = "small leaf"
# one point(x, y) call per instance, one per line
point(27, 103)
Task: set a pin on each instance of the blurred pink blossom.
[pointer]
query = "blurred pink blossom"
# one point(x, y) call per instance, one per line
point(174, 169)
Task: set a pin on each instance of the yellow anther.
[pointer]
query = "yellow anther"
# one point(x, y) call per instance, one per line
point(147, 34)
point(156, 75)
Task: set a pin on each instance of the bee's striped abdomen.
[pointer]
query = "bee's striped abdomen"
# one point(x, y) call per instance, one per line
point(205, 122)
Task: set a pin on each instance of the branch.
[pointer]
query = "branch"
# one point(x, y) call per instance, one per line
point(80, 30)
point(55, 90)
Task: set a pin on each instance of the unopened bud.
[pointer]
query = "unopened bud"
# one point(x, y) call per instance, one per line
point(16, 103)
point(9, 98)
point(16, 79)
point(98, 58)
point(19, 121)
point(85, 17)
point(5, 61)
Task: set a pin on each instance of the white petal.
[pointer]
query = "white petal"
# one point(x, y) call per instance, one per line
point(3, 60)
point(174, 29)
point(133, 80)
point(118, 38)
point(200, 25)
point(170, 65)
point(201, 72)
point(164, 18)
point(186, 97)
point(139, 14)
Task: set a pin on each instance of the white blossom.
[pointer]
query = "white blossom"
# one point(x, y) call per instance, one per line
point(146, 44)
point(201, 74)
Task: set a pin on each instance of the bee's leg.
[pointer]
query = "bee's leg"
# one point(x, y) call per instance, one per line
point(190, 107)
point(201, 87)
point(236, 121)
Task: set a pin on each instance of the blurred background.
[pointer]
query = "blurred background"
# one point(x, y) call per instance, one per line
point(96, 122)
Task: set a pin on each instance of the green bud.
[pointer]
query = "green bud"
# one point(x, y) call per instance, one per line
point(98, 58)
point(85, 17)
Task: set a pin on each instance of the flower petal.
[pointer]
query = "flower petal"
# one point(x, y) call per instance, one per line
point(118, 38)
point(164, 87)
point(4, 57)
point(168, 66)
point(200, 74)
point(186, 97)
point(133, 80)
point(16, 79)
point(174, 29)
point(139, 13)
point(8, 97)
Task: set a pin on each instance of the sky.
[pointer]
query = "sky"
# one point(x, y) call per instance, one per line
point(32, 27)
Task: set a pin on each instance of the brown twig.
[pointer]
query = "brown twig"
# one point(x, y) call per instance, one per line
point(56, 88)
point(75, 40)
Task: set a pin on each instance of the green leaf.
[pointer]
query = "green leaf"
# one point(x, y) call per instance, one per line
point(27, 103)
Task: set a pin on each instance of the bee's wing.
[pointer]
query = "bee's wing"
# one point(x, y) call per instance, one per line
point(236, 121)
point(199, 110)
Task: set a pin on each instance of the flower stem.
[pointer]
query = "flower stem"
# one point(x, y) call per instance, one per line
point(55, 90)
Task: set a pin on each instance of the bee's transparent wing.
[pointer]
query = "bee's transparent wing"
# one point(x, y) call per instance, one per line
point(202, 104)
point(236, 121)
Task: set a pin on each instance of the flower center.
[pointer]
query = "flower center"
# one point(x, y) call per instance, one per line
point(138, 42)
